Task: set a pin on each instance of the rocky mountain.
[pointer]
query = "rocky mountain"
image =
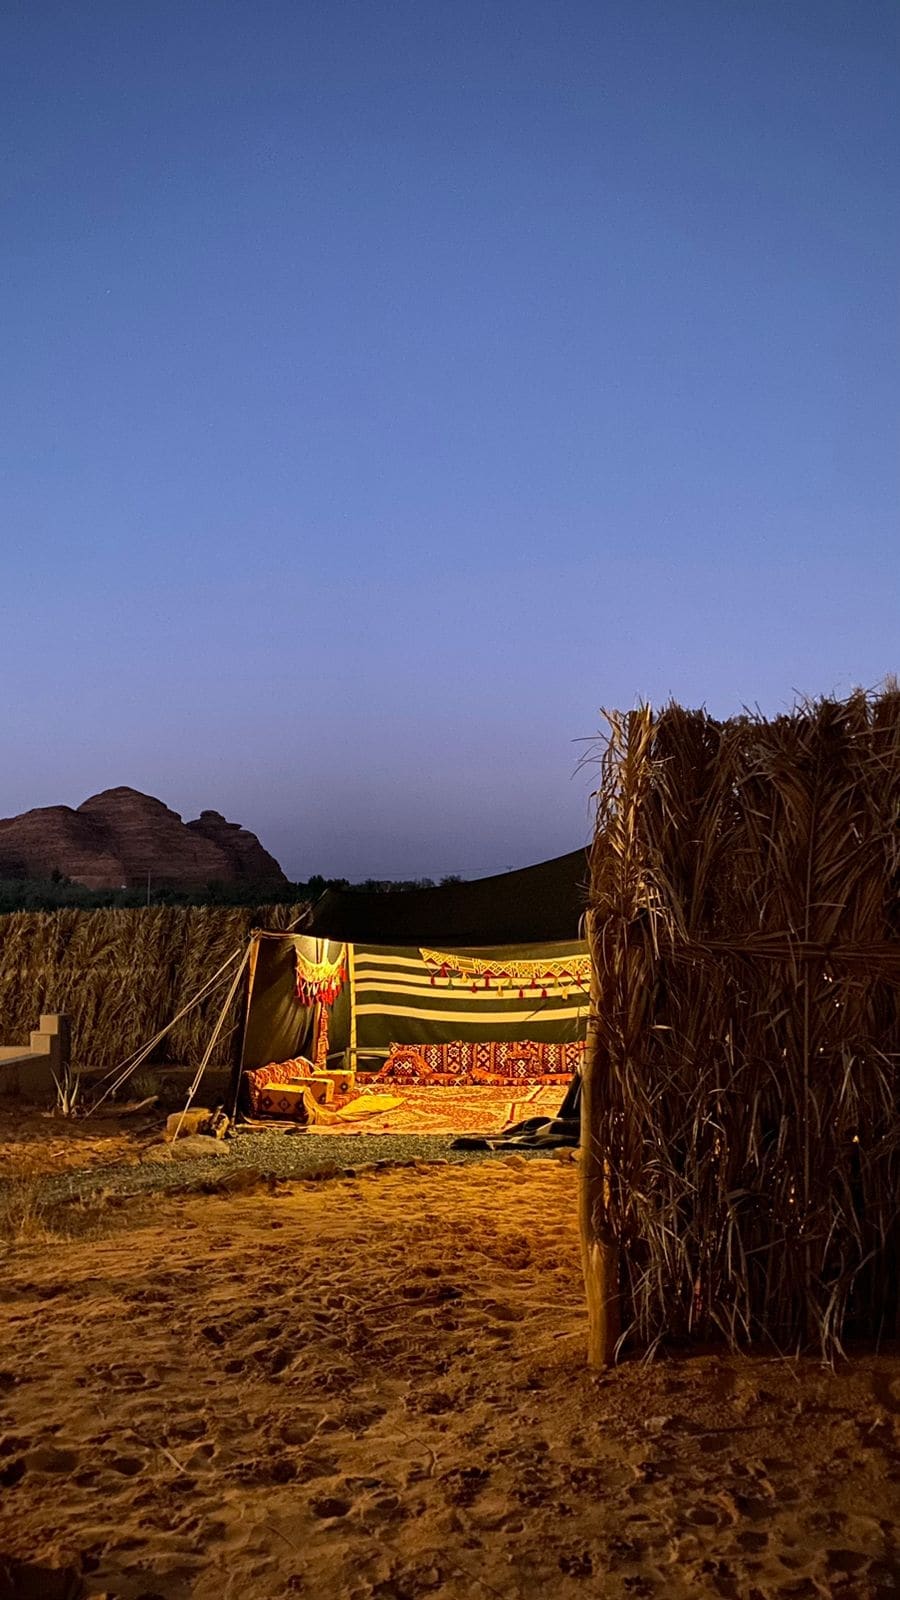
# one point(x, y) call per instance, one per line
point(56, 838)
point(116, 838)
point(253, 863)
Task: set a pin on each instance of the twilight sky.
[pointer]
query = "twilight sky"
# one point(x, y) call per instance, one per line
point(387, 385)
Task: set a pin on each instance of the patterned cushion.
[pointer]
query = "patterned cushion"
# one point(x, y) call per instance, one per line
point(405, 1064)
point(281, 1100)
point(514, 1062)
point(281, 1073)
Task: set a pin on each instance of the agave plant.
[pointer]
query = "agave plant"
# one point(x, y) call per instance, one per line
point(68, 1092)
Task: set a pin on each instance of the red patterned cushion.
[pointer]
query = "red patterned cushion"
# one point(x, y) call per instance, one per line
point(405, 1064)
point(514, 1062)
point(279, 1072)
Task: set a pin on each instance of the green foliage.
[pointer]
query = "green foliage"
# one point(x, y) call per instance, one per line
point(57, 892)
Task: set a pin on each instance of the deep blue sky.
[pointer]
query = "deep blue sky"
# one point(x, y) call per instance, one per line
point(386, 385)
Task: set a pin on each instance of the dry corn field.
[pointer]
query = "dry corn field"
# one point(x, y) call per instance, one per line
point(120, 975)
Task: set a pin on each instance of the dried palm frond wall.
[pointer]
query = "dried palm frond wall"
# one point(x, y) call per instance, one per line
point(742, 1144)
point(121, 975)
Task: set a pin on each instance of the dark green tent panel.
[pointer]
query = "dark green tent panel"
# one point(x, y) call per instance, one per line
point(533, 906)
point(277, 1025)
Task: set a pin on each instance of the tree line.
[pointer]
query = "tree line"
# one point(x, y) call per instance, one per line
point(34, 894)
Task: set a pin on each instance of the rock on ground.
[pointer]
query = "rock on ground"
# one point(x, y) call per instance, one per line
point(196, 1144)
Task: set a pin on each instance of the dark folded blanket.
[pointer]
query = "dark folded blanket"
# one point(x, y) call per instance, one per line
point(535, 1133)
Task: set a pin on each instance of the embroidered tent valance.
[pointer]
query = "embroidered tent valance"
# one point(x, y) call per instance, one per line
point(320, 982)
point(485, 972)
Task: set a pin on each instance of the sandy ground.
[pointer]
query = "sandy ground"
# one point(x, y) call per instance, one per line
point(44, 1142)
point(374, 1389)
point(39, 1141)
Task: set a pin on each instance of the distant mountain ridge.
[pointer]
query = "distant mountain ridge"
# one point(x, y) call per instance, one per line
point(116, 838)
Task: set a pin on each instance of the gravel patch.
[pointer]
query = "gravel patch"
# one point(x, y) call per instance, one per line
point(274, 1155)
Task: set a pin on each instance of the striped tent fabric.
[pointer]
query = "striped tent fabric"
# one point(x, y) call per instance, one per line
point(397, 993)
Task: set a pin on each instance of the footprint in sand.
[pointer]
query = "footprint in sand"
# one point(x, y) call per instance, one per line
point(625, 1552)
point(12, 1444)
point(433, 1404)
point(279, 1470)
point(463, 1485)
point(886, 1391)
point(404, 1583)
point(575, 1563)
point(297, 1430)
point(51, 1458)
point(278, 1359)
point(330, 1506)
point(754, 1509)
point(704, 1516)
point(26, 1578)
point(643, 1587)
point(359, 1419)
point(187, 1428)
point(533, 1490)
point(754, 1543)
point(842, 1564)
point(502, 1311)
point(591, 1479)
point(128, 1377)
point(316, 1466)
point(826, 1521)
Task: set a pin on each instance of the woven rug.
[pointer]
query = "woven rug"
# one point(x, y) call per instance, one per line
point(457, 1110)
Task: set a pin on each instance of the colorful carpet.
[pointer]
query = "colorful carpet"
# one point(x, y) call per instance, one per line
point(458, 1110)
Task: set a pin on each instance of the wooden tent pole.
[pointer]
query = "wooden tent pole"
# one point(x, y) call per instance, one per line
point(252, 961)
point(212, 1042)
point(123, 1071)
point(599, 1252)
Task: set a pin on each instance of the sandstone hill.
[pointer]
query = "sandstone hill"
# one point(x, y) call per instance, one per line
point(116, 838)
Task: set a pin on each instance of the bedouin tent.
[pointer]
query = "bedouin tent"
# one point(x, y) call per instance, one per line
point(499, 959)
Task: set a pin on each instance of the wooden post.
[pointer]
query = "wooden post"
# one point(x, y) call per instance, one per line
point(599, 1252)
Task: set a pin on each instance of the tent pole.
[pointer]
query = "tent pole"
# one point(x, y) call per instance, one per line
point(122, 1072)
point(599, 1251)
point(351, 979)
point(235, 1085)
point(212, 1043)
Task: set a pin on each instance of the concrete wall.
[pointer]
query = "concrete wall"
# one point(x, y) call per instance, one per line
point(30, 1070)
